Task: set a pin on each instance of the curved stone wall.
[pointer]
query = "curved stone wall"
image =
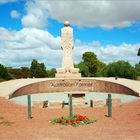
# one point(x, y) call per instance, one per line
point(73, 85)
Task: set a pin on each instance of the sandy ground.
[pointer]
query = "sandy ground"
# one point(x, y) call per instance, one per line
point(124, 125)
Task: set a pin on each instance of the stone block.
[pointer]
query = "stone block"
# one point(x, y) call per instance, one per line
point(78, 105)
point(56, 104)
point(78, 102)
point(115, 102)
point(68, 75)
point(97, 103)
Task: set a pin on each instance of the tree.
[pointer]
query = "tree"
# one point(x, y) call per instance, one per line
point(4, 74)
point(33, 68)
point(94, 65)
point(90, 59)
point(51, 72)
point(25, 72)
point(84, 70)
point(137, 68)
point(15, 72)
point(37, 70)
point(101, 67)
point(121, 69)
point(42, 70)
point(18, 73)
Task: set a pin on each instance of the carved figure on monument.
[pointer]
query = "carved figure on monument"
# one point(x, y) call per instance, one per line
point(67, 45)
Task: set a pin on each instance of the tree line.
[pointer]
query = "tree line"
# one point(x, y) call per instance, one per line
point(36, 70)
point(90, 66)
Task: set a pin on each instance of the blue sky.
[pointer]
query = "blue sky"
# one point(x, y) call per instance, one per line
point(31, 30)
point(114, 36)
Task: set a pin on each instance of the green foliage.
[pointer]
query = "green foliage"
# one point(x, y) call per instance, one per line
point(2, 122)
point(84, 70)
point(4, 74)
point(75, 120)
point(7, 123)
point(102, 72)
point(101, 65)
point(90, 59)
point(137, 68)
point(94, 65)
point(37, 70)
point(51, 72)
point(121, 69)
point(17, 73)
point(101, 68)
point(25, 72)
point(90, 66)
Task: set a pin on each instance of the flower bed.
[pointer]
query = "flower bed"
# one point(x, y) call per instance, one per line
point(75, 120)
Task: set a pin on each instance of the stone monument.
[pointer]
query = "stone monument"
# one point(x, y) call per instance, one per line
point(67, 45)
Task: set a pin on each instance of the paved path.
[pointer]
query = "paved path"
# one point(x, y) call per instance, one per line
point(9, 87)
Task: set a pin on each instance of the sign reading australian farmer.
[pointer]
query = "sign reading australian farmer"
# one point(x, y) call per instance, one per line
point(73, 85)
point(69, 84)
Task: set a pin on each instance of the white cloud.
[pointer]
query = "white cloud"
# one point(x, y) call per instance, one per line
point(83, 13)
point(110, 53)
point(14, 14)
point(6, 1)
point(18, 48)
point(106, 14)
point(37, 14)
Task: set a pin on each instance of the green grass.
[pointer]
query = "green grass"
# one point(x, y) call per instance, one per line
point(7, 123)
point(2, 122)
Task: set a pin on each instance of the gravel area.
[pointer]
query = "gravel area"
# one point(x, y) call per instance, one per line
point(124, 125)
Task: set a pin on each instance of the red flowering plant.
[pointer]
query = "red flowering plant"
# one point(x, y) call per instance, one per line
point(75, 120)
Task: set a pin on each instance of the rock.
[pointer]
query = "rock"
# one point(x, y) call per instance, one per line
point(56, 104)
point(97, 103)
point(38, 104)
point(45, 104)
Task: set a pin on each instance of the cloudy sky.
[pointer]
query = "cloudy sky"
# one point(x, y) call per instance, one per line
point(30, 29)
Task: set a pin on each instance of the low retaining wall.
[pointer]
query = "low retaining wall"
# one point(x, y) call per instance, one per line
point(73, 85)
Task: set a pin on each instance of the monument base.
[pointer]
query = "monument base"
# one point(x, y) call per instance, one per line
point(67, 75)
